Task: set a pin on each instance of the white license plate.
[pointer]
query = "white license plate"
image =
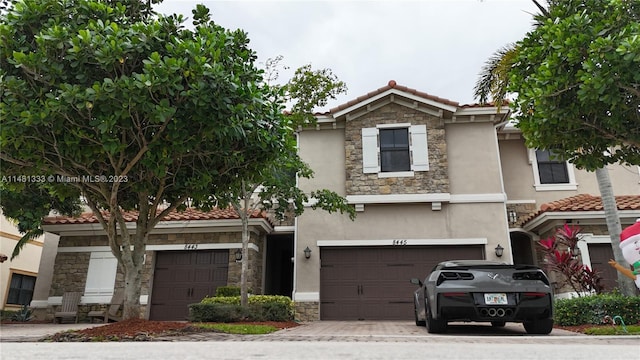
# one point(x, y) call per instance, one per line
point(496, 299)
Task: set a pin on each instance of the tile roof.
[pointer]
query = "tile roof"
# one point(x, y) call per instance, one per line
point(586, 202)
point(393, 85)
point(131, 216)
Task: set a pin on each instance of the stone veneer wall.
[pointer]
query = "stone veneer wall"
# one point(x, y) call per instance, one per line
point(436, 180)
point(307, 311)
point(70, 269)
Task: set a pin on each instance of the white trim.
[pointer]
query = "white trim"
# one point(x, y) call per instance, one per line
point(84, 300)
point(403, 242)
point(163, 227)
point(485, 110)
point(396, 174)
point(284, 229)
point(396, 92)
point(306, 296)
point(215, 246)
point(426, 198)
point(393, 126)
point(397, 198)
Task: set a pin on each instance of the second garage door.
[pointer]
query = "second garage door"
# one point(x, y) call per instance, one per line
point(372, 283)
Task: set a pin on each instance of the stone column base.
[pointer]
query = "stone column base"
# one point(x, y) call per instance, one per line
point(307, 311)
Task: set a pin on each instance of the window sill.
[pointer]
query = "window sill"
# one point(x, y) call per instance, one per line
point(556, 187)
point(396, 174)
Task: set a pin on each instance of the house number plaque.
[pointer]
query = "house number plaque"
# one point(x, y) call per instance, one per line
point(399, 242)
point(190, 246)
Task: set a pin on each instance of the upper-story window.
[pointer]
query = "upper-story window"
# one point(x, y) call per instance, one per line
point(551, 168)
point(395, 149)
point(551, 172)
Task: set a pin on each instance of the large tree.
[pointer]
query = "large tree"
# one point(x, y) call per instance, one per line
point(576, 81)
point(275, 187)
point(132, 111)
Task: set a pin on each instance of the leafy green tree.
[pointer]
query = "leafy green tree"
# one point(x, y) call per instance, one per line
point(555, 72)
point(275, 188)
point(578, 85)
point(134, 110)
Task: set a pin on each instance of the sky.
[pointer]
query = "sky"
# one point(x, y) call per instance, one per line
point(434, 46)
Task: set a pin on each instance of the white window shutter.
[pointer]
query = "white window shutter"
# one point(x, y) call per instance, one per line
point(419, 152)
point(101, 275)
point(370, 162)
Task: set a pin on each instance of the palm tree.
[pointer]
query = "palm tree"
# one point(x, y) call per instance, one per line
point(492, 86)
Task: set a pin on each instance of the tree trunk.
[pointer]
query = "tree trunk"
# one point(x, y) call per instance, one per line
point(132, 289)
point(626, 285)
point(244, 293)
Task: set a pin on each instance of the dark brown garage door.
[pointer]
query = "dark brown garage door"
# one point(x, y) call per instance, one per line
point(373, 283)
point(185, 277)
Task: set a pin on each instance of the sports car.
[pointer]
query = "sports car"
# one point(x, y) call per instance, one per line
point(484, 291)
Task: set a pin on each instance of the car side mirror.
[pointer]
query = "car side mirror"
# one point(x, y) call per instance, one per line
point(415, 281)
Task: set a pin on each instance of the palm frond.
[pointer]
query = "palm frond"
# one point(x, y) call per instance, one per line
point(24, 240)
point(493, 81)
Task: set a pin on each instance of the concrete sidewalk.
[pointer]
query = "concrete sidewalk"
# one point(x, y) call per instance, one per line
point(312, 330)
point(34, 332)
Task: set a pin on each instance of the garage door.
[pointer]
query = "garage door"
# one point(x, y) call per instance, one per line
point(373, 283)
point(185, 277)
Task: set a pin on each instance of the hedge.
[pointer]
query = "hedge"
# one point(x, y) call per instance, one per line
point(228, 309)
point(593, 309)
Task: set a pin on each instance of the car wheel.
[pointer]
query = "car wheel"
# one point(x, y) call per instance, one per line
point(434, 326)
point(540, 327)
point(498, 323)
point(415, 312)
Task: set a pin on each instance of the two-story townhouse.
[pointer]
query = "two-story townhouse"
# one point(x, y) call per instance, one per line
point(430, 180)
point(18, 275)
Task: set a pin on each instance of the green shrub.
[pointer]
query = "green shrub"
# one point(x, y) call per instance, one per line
point(593, 309)
point(224, 291)
point(216, 312)
point(228, 309)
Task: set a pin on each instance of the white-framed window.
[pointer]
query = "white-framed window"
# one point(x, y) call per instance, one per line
point(101, 275)
point(551, 173)
point(395, 149)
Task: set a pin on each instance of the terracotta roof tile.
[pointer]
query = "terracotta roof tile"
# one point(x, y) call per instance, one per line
point(586, 202)
point(131, 216)
point(392, 85)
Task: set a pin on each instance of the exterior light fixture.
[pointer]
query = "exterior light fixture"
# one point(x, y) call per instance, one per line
point(238, 255)
point(307, 252)
point(499, 250)
point(513, 217)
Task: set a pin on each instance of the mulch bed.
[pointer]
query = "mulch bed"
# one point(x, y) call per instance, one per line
point(143, 330)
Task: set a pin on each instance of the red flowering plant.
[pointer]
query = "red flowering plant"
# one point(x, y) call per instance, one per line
point(561, 255)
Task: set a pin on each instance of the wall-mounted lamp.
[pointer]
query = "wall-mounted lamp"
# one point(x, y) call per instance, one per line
point(499, 250)
point(513, 216)
point(307, 252)
point(238, 255)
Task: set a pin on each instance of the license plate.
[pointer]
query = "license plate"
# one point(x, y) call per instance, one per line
point(496, 299)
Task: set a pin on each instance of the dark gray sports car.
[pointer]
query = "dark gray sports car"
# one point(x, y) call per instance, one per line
point(484, 291)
